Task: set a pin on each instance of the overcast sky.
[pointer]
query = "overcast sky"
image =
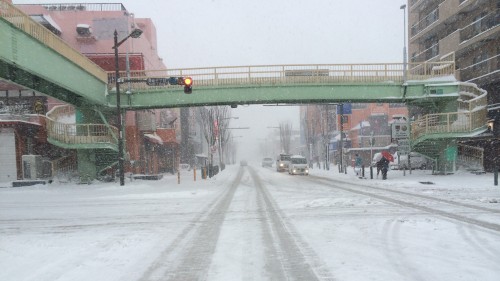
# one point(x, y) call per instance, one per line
point(204, 33)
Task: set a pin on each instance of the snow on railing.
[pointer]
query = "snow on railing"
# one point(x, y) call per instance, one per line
point(25, 23)
point(258, 75)
point(472, 114)
point(451, 122)
point(471, 97)
point(60, 130)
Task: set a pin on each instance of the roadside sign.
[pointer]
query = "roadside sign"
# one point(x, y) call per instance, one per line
point(403, 146)
point(400, 131)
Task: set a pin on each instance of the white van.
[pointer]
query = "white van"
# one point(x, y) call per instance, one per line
point(417, 161)
point(298, 165)
point(283, 162)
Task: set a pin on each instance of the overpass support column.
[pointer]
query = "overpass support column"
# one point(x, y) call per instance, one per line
point(87, 168)
point(447, 159)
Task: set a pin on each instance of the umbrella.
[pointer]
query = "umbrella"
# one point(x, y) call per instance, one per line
point(377, 157)
point(388, 156)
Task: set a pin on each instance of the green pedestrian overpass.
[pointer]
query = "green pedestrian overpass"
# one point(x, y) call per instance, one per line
point(32, 57)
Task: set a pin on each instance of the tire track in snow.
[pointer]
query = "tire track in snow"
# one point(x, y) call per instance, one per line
point(298, 260)
point(398, 260)
point(194, 264)
point(191, 238)
point(454, 216)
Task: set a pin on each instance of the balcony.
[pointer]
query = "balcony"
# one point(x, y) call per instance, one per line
point(428, 20)
point(482, 69)
point(450, 8)
point(446, 9)
point(427, 54)
point(481, 28)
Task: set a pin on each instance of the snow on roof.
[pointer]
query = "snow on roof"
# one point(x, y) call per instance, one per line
point(361, 124)
point(154, 137)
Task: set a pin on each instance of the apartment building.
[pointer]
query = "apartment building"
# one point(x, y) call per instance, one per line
point(469, 30)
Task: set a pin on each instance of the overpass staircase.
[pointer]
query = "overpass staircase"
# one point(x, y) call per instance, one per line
point(63, 131)
point(433, 133)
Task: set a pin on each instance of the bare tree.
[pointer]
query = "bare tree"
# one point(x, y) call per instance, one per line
point(214, 122)
point(285, 136)
point(222, 115)
point(206, 121)
point(326, 129)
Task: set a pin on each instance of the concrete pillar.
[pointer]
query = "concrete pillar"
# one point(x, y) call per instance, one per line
point(86, 165)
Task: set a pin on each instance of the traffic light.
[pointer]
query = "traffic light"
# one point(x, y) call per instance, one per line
point(188, 83)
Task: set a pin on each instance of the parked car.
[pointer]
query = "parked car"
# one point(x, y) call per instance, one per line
point(298, 165)
point(417, 161)
point(282, 162)
point(267, 162)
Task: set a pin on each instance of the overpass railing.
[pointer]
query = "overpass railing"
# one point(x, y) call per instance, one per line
point(24, 22)
point(77, 134)
point(472, 114)
point(290, 74)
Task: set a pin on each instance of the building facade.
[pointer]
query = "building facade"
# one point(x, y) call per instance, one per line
point(151, 136)
point(467, 31)
point(361, 123)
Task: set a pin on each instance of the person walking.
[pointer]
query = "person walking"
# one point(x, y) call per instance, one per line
point(357, 165)
point(384, 164)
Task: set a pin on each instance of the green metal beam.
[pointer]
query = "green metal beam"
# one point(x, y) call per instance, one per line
point(268, 94)
point(83, 145)
point(28, 62)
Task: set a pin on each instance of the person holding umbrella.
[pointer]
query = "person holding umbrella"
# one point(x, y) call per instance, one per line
point(384, 163)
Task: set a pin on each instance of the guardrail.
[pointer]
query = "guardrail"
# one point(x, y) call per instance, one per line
point(471, 97)
point(24, 22)
point(291, 74)
point(471, 155)
point(472, 114)
point(452, 122)
point(70, 133)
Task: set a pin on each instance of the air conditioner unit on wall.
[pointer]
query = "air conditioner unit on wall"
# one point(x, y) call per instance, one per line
point(83, 29)
point(32, 167)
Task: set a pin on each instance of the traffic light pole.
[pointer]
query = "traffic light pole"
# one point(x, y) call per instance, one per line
point(134, 34)
point(341, 142)
point(119, 114)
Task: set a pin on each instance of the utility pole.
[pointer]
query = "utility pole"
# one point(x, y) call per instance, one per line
point(341, 140)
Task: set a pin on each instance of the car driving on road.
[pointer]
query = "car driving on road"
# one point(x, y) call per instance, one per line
point(267, 162)
point(298, 165)
point(282, 162)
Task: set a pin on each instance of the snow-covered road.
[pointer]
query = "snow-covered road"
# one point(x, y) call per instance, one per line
point(252, 223)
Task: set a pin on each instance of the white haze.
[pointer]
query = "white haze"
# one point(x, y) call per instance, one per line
point(262, 122)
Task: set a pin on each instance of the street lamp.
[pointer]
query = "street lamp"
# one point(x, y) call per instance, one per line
point(134, 34)
point(403, 7)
